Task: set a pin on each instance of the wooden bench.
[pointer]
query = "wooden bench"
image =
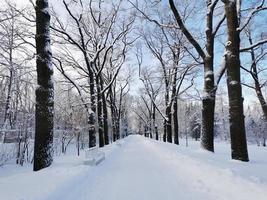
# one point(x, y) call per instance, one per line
point(93, 156)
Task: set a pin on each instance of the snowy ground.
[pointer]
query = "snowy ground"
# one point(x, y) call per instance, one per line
point(143, 169)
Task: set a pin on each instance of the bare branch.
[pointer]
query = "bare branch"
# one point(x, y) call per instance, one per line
point(257, 9)
point(261, 42)
point(188, 35)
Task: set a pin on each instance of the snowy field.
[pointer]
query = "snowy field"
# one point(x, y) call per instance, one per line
point(143, 169)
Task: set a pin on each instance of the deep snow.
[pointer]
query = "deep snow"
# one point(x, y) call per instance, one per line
point(143, 169)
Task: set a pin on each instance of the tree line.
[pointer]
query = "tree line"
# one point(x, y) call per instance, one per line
point(89, 55)
point(181, 50)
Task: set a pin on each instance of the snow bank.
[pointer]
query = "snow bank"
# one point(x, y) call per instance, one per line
point(21, 183)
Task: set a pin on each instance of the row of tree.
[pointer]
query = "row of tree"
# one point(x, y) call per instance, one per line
point(180, 49)
point(95, 45)
point(90, 99)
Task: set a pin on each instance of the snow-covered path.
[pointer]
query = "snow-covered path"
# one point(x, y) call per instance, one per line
point(143, 169)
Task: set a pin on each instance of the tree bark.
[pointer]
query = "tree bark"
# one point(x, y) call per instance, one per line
point(100, 114)
point(168, 121)
point(156, 132)
point(78, 142)
point(7, 115)
point(113, 114)
point(43, 145)
point(169, 124)
point(236, 114)
point(164, 137)
point(175, 122)
point(105, 114)
point(175, 100)
point(91, 120)
point(119, 114)
point(208, 102)
point(155, 129)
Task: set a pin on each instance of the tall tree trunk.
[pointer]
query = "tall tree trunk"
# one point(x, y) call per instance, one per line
point(78, 142)
point(114, 130)
point(175, 121)
point(100, 114)
point(237, 124)
point(208, 102)
point(168, 121)
point(119, 114)
point(154, 122)
point(43, 145)
point(169, 124)
point(7, 114)
point(156, 132)
point(175, 99)
point(208, 107)
point(118, 134)
point(150, 130)
point(105, 115)
point(92, 114)
point(113, 115)
point(146, 130)
point(13, 120)
point(164, 137)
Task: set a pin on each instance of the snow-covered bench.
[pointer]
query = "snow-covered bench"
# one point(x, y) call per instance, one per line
point(93, 156)
point(119, 143)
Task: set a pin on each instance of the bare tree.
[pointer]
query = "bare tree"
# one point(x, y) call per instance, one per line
point(97, 43)
point(14, 57)
point(254, 69)
point(208, 101)
point(153, 86)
